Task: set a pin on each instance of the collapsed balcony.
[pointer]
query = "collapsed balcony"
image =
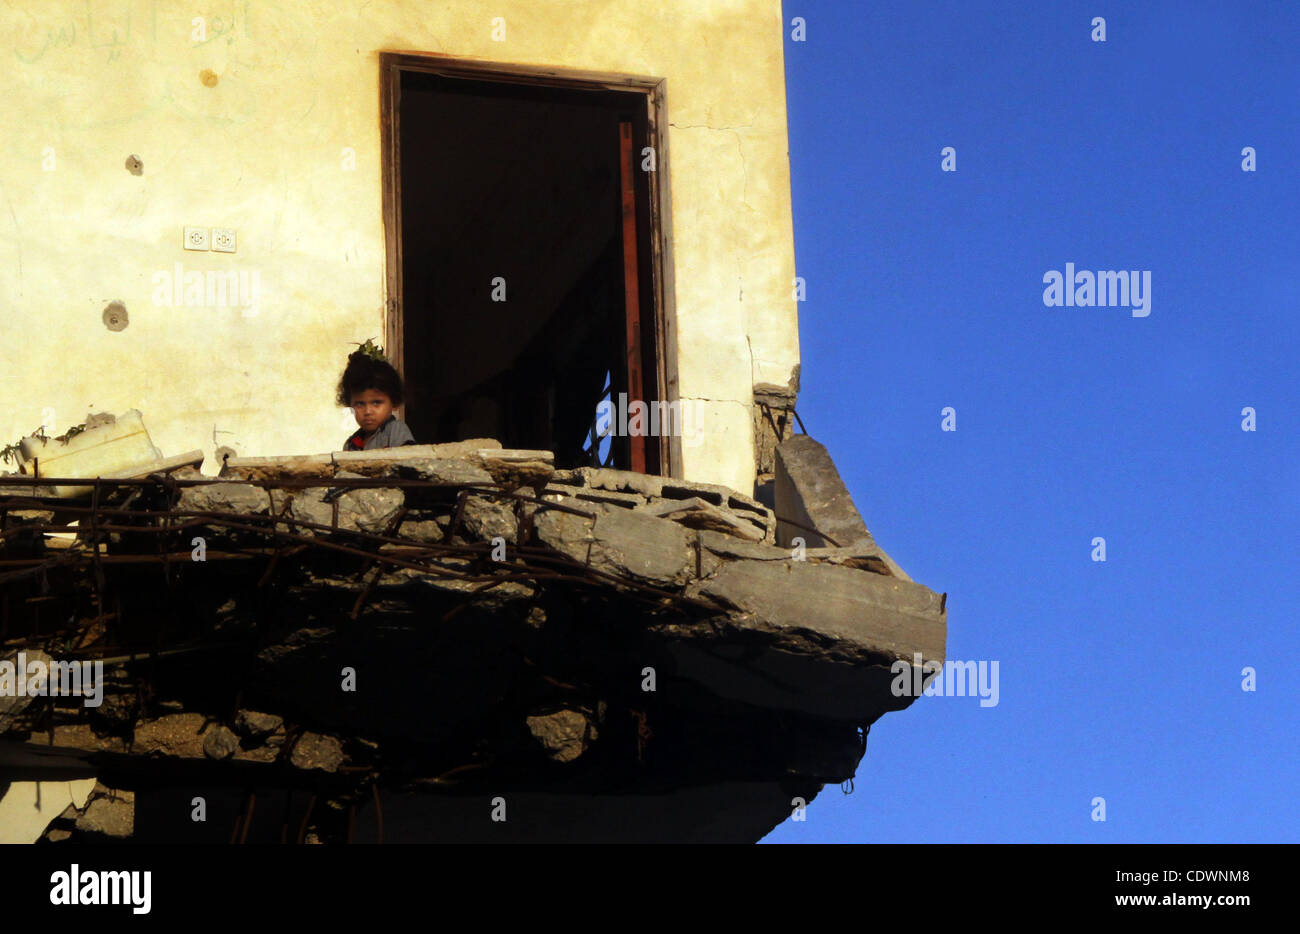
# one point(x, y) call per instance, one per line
point(405, 644)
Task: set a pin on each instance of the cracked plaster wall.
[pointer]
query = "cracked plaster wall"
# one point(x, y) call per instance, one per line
point(251, 128)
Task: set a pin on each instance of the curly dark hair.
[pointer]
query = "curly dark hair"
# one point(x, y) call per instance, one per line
point(366, 372)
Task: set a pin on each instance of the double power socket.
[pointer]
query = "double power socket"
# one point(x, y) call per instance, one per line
point(217, 239)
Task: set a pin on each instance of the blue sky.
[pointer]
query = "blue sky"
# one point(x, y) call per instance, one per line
point(1119, 679)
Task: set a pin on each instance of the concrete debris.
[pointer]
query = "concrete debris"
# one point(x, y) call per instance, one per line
point(809, 492)
point(487, 518)
point(565, 734)
point(695, 513)
point(814, 504)
point(443, 471)
point(621, 542)
point(369, 510)
point(255, 725)
point(11, 704)
point(219, 743)
point(173, 735)
point(224, 497)
point(314, 751)
point(109, 813)
point(666, 641)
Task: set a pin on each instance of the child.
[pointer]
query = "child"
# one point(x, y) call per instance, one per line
point(372, 388)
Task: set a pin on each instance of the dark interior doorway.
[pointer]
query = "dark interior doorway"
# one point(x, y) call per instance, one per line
point(534, 194)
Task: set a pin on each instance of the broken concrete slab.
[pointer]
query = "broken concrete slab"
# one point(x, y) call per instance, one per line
point(364, 509)
point(617, 481)
point(481, 460)
point(620, 541)
point(590, 495)
point(809, 606)
point(867, 556)
point(273, 468)
point(695, 513)
point(191, 459)
point(446, 472)
point(107, 445)
point(810, 494)
point(373, 463)
point(467, 647)
point(728, 546)
point(388, 462)
point(511, 469)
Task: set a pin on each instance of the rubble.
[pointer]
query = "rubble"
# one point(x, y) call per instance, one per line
point(505, 626)
point(564, 734)
point(108, 813)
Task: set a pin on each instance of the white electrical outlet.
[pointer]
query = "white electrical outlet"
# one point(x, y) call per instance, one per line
point(223, 240)
point(196, 238)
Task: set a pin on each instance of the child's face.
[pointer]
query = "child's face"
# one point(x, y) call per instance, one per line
point(371, 408)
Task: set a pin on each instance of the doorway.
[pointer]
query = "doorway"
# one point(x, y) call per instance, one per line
point(526, 255)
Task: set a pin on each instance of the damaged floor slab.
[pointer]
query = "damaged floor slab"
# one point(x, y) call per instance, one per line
point(342, 646)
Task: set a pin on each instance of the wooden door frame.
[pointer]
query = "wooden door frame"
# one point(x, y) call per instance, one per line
point(655, 91)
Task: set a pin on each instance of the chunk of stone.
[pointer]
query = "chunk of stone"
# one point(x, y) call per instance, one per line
point(173, 735)
point(486, 518)
point(11, 705)
point(111, 814)
point(316, 752)
point(511, 469)
point(647, 548)
point(369, 509)
point(83, 736)
point(866, 556)
point(422, 530)
point(384, 461)
point(257, 725)
point(271, 468)
point(729, 546)
point(219, 743)
point(626, 500)
point(605, 478)
point(695, 513)
point(810, 493)
point(445, 471)
point(621, 542)
point(567, 533)
point(683, 489)
point(565, 734)
point(365, 509)
point(224, 497)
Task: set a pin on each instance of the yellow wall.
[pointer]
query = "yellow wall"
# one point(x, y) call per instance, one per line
point(260, 146)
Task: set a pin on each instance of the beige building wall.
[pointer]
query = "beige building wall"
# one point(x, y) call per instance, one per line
point(265, 118)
